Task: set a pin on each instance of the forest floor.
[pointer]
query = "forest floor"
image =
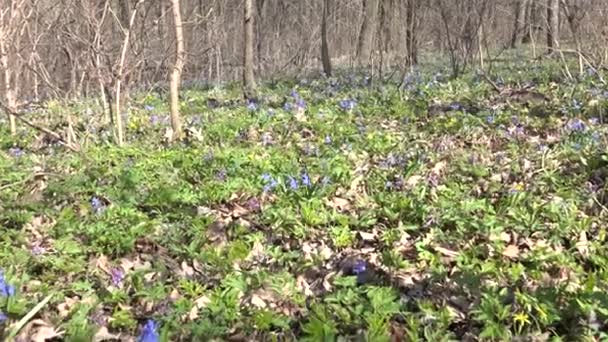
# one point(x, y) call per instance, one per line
point(441, 210)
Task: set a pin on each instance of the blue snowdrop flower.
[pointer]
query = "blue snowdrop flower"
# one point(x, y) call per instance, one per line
point(293, 183)
point(149, 332)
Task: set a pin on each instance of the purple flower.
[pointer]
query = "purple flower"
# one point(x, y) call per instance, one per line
point(327, 140)
point(287, 106)
point(271, 183)
point(98, 205)
point(266, 139)
point(252, 106)
point(6, 289)
point(295, 94)
point(208, 156)
point(154, 120)
point(149, 108)
point(221, 175)
point(118, 275)
point(15, 152)
point(359, 267)
point(149, 332)
point(594, 121)
point(348, 104)
point(37, 250)
point(576, 125)
point(293, 183)
point(306, 179)
point(300, 103)
point(490, 119)
point(3, 317)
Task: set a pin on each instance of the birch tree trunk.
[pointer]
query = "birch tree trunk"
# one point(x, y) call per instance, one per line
point(176, 74)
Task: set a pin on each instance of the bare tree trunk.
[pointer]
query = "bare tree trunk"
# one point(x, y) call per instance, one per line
point(259, 35)
point(248, 76)
point(520, 22)
point(176, 75)
point(8, 84)
point(325, 58)
point(366, 35)
point(552, 25)
point(410, 33)
point(123, 56)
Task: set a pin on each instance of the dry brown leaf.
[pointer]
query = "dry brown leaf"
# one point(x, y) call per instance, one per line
point(512, 251)
point(365, 236)
point(303, 286)
point(338, 203)
point(186, 271)
point(413, 181)
point(104, 335)
point(103, 264)
point(446, 252)
point(582, 245)
point(43, 331)
point(66, 307)
point(325, 253)
point(258, 301)
point(438, 168)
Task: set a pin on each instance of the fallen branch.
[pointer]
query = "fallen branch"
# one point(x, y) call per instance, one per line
point(45, 130)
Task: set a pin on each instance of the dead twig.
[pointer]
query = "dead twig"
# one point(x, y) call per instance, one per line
point(20, 117)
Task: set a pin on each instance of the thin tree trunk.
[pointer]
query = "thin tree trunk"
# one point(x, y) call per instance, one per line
point(552, 24)
point(123, 56)
point(176, 75)
point(366, 35)
point(520, 22)
point(410, 33)
point(248, 76)
point(8, 86)
point(325, 57)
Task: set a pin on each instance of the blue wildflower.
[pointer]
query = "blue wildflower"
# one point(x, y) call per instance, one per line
point(6, 289)
point(117, 275)
point(252, 106)
point(287, 106)
point(293, 183)
point(596, 136)
point(576, 125)
point(154, 120)
point(270, 186)
point(306, 179)
point(97, 204)
point(348, 104)
point(576, 105)
point(149, 332)
point(270, 183)
point(490, 119)
point(388, 185)
point(221, 175)
point(149, 108)
point(455, 106)
point(300, 103)
point(295, 94)
point(327, 140)
point(3, 317)
point(15, 152)
point(359, 267)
